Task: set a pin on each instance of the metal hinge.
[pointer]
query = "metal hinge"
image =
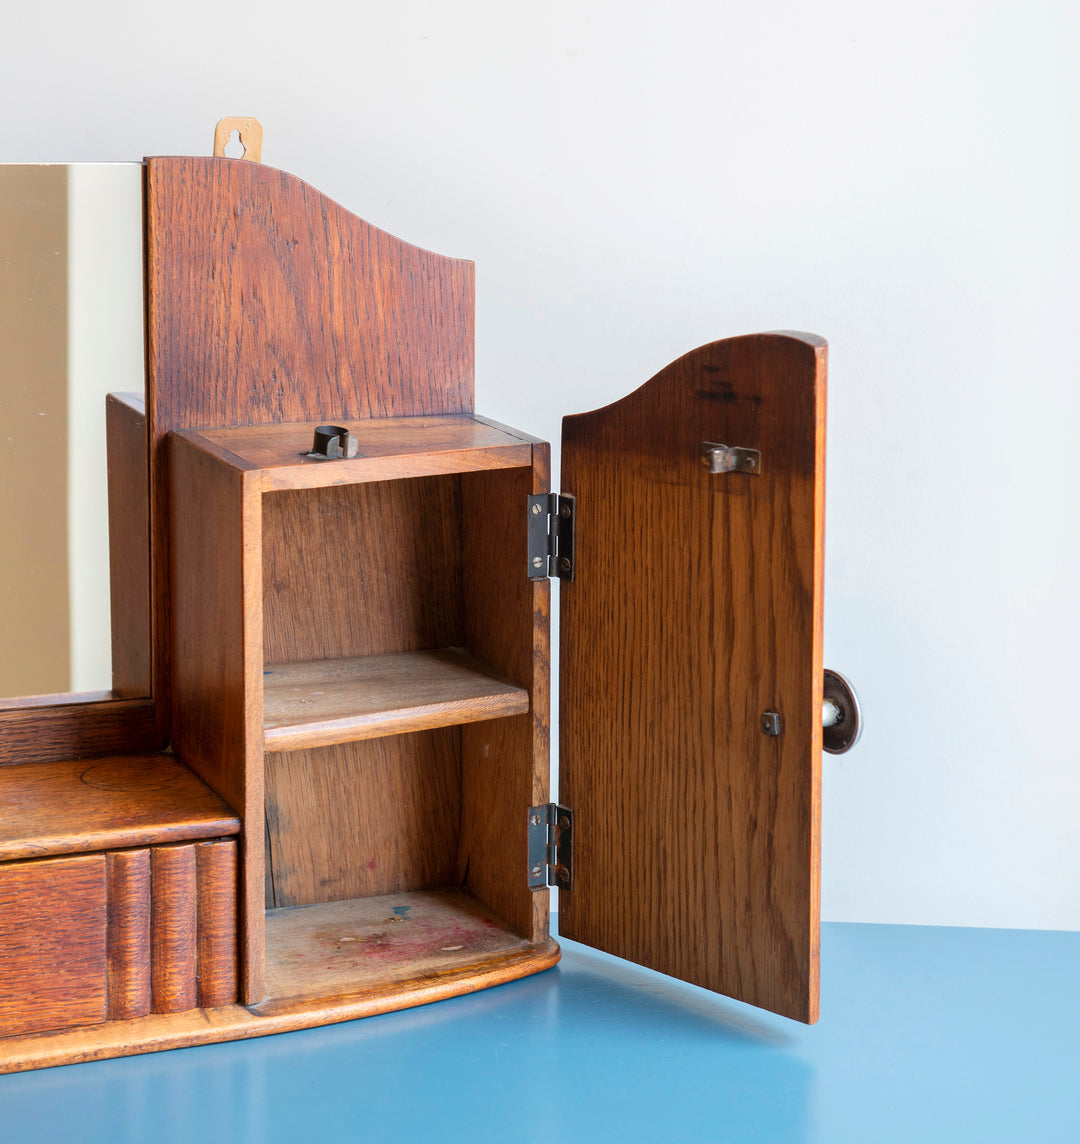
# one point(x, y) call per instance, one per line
point(551, 846)
point(551, 535)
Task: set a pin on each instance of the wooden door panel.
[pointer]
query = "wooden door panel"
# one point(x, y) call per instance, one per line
point(696, 608)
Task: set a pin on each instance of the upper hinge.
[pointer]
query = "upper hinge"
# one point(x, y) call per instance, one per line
point(551, 535)
point(551, 846)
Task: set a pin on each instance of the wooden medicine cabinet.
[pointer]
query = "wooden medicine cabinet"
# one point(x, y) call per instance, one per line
point(342, 805)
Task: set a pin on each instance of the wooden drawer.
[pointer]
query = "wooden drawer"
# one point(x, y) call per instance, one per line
point(109, 936)
point(53, 948)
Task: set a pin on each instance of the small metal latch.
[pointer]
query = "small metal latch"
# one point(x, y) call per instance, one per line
point(332, 443)
point(729, 459)
point(551, 846)
point(551, 518)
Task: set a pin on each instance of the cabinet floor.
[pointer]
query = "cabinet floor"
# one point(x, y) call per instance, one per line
point(927, 1034)
point(337, 949)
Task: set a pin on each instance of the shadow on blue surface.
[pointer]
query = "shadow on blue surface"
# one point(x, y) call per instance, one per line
point(927, 1035)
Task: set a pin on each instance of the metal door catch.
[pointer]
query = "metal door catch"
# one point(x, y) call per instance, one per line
point(729, 459)
point(332, 443)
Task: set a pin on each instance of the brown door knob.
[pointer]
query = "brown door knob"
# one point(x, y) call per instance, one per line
point(841, 715)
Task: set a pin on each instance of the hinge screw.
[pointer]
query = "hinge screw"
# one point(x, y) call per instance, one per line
point(564, 564)
point(534, 820)
point(536, 510)
point(538, 562)
point(565, 510)
point(537, 871)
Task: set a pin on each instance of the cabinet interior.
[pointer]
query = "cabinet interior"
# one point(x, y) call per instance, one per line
point(396, 681)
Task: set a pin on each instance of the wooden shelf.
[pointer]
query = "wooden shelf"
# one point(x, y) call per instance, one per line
point(388, 449)
point(91, 805)
point(336, 949)
point(319, 703)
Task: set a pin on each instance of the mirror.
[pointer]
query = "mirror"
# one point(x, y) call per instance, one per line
point(71, 332)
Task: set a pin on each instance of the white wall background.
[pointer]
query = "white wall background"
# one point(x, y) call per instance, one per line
point(105, 355)
point(635, 179)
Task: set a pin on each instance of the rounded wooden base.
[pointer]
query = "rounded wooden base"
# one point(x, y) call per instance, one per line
point(234, 1022)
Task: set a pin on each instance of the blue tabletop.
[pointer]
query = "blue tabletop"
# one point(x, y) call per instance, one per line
point(927, 1034)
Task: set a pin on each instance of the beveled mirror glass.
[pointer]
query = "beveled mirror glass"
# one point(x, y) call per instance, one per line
point(71, 331)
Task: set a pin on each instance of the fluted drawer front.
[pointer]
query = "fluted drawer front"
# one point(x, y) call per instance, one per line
point(117, 935)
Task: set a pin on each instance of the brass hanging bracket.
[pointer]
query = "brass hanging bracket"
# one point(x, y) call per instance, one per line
point(248, 130)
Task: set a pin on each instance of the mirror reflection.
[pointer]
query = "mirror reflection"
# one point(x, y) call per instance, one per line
point(71, 332)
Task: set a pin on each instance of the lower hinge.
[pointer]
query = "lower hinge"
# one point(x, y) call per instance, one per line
point(551, 846)
point(551, 518)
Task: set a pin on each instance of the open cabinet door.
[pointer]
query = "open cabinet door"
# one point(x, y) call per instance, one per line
point(691, 672)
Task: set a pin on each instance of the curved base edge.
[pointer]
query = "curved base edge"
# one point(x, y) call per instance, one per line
point(160, 1032)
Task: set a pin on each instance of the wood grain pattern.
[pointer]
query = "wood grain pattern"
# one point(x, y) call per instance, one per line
point(268, 302)
point(216, 610)
point(128, 933)
point(696, 607)
point(317, 704)
point(343, 949)
point(232, 1022)
point(504, 763)
point(52, 944)
point(362, 569)
point(105, 804)
point(387, 449)
point(216, 877)
point(173, 921)
point(364, 818)
point(77, 731)
point(127, 450)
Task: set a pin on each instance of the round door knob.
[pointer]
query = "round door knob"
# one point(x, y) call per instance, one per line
point(841, 716)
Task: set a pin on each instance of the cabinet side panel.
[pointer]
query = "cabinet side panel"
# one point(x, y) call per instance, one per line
point(129, 933)
point(367, 818)
point(362, 569)
point(52, 944)
point(216, 617)
point(129, 544)
point(696, 608)
point(504, 762)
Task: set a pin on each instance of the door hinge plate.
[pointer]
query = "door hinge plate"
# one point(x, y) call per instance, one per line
point(551, 518)
point(551, 846)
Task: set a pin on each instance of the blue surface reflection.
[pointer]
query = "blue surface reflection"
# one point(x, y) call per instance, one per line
point(927, 1034)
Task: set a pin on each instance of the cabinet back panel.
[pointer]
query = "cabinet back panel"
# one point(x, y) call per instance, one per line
point(268, 302)
point(358, 819)
point(362, 569)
